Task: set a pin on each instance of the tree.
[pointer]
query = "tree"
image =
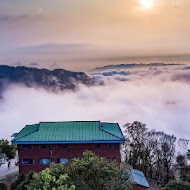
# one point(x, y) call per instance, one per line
point(92, 172)
point(7, 149)
point(3, 186)
point(177, 185)
point(22, 181)
point(155, 154)
point(134, 147)
point(149, 151)
point(168, 152)
point(17, 181)
point(184, 172)
point(184, 144)
point(87, 173)
point(45, 181)
point(182, 160)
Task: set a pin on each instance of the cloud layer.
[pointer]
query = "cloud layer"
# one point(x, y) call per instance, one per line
point(149, 95)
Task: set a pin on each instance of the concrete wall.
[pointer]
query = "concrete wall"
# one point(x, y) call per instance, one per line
point(75, 150)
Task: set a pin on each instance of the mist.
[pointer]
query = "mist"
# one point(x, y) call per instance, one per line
point(158, 97)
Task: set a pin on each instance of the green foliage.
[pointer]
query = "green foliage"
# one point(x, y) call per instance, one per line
point(58, 169)
point(25, 182)
point(45, 181)
point(184, 172)
point(6, 148)
point(17, 181)
point(177, 185)
point(87, 173)
point(92, 172)
point(3, 186)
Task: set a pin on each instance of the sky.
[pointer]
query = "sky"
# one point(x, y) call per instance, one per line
point(83, 34)
point(80, 35)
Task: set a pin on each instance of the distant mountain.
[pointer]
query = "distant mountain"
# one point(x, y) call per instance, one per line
point(132, 65)
point(58, 79)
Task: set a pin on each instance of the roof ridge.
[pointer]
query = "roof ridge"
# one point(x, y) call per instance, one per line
point(111, 133)
point(64, 121)
point(110, 122)
point(28, 133)
point(121, 131)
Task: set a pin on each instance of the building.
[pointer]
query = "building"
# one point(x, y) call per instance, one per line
point(138, 179)
point(40, 144)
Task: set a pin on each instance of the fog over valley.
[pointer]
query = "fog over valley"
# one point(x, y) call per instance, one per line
point(156, 96)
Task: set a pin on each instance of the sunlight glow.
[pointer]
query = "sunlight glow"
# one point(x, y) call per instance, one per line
point(146, 3)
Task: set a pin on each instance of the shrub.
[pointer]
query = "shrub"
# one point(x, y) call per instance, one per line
point(177, 185)
point(87, 173)
point(3, 186)
point(92, 172)
point(17, 181)
point(45, 181)
point(25, 182)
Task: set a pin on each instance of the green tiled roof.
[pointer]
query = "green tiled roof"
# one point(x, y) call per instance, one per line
point(26, 131)
point(14, 134)
point(75, 131)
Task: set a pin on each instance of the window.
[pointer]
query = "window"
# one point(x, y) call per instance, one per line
point(63, 160)
point(63, 146)
point(45, 146)
point(26, 146)
point(112, 146)
point(98, 146)
point(45, 161)
point(27, 161)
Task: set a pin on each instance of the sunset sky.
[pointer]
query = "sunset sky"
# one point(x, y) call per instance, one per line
point(83, 34)
point(80, 35)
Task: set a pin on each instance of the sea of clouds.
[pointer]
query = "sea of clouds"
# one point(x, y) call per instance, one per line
point(156, 96)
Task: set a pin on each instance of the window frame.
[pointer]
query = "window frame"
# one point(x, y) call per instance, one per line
point(112, 146)
point(95, 146)
point(28, 159)
point(22, 146)
point(45, 163)
point(58, 161)
point(62, 148)
point(45, 148)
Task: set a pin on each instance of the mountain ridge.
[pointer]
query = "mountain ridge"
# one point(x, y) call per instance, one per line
point(133, 65)
point(55, 80)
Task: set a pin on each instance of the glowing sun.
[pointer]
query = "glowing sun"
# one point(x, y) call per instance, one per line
point(146, 3)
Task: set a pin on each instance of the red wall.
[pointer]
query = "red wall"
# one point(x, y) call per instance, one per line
point(138, 187)
point(75, 150)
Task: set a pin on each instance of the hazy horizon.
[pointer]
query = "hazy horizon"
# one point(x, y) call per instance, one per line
point(80, 35)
